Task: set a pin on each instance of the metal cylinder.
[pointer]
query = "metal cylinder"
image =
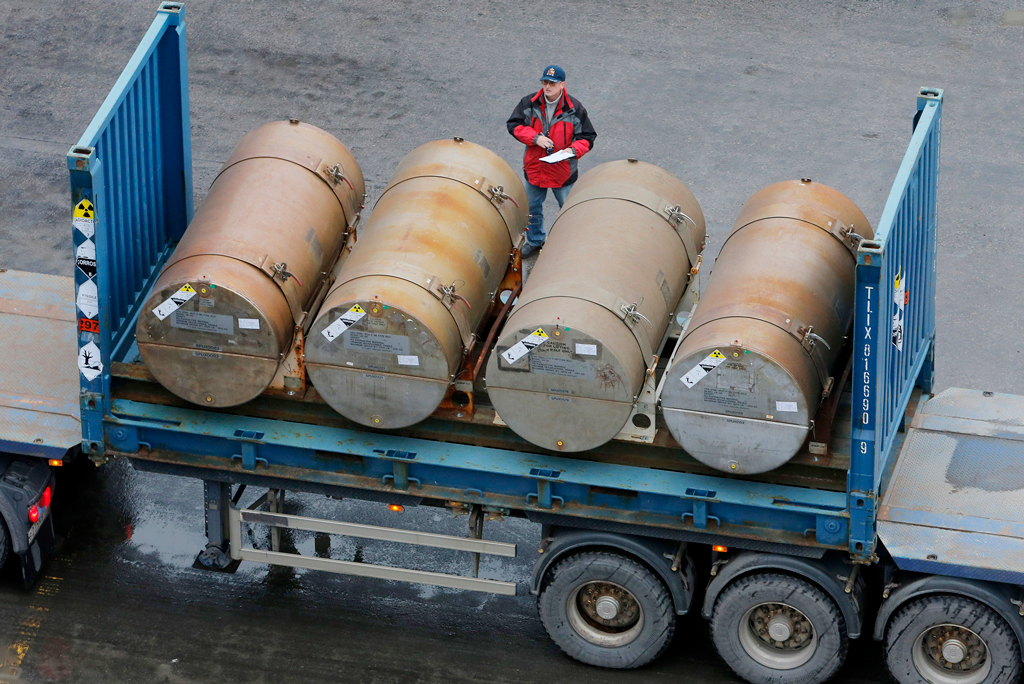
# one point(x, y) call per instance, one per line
point(225, 308)
point(393, 330)
point(756, 360)
point(598, 301)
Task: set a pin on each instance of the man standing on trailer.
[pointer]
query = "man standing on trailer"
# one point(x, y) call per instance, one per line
point(548, 122)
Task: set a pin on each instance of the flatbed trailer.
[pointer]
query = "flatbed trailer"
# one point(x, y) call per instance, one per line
point(629, 528)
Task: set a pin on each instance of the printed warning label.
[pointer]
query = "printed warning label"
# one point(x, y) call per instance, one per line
point(85, 258)
point(84, 218)
point(376, 342)
point(87, 325)
point(565, 368)
point(524, 346)
point(900, 299)
point(88, 299)
point(175, 301)
point(89, 361)
point(701, 370)
point(344, 322)
point(199, 321)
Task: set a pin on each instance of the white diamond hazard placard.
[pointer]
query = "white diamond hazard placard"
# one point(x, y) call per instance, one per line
point(88, 299)
point(701, 370)
point(175, 301)
point(89, 361)
point(344, 322)
point(524, 346)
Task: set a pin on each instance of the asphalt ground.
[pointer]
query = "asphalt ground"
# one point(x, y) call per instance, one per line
point(729, 96)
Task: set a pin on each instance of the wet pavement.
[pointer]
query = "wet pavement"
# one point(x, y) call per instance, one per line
point(121, 603)
point(729, 97)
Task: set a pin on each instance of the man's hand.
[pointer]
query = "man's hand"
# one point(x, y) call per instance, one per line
point(544, 141)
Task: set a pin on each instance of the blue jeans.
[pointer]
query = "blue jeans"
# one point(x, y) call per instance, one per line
point(535, 227)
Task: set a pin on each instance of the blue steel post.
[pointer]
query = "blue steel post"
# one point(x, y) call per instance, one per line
point(131, 191)
point(894, 323)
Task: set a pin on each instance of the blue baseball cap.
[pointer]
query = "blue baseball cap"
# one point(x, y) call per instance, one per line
point(554, 73)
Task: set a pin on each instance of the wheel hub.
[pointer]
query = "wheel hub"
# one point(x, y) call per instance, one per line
point(608, 606)
point(780, 626)
point(954, 649)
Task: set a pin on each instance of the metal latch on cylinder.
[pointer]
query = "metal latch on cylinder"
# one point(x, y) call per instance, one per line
point(498, 195)
point(280, 270)
point(809, 342)
point(336, 176)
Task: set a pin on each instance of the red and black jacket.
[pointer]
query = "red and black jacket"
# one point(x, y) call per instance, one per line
point(570, 127)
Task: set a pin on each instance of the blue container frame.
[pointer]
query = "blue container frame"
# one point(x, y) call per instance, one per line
point(884, 375)
point(134, 163)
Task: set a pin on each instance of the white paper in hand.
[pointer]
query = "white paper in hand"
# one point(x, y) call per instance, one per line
point(567, 153)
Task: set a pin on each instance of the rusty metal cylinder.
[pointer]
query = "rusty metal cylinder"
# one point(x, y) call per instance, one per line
point(255, 258)
point(757, 358)
point(393, 330)
point(598, 301)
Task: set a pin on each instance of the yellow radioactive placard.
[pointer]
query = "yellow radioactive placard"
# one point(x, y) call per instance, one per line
point(84, 209)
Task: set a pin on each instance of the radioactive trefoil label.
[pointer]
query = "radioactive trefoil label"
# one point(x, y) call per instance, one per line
point(89, 362)
point(900, 299)
point(84, 218)
point(88, 300)
point(344, 322)
point(175, 301)
point(702, 369)
point(524, 346)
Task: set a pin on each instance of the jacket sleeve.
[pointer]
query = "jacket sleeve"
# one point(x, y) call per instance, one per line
point(583, 138)
point(519, 126)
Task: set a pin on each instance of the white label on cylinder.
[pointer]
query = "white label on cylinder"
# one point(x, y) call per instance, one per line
point(344, 322)
point(174, 301)
point(786, 406)
point(248, 324)
point(524, 346)
point(586, 349)
point(408, 360)
point(701, 370)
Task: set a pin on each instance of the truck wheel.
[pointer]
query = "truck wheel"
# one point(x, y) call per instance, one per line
point(946, 639)
point(778, 629)
point(607, 610)
point(5, 542)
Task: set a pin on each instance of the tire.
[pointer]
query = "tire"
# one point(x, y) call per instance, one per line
point(814, 649)
point(959, 624)
point(576, 593)
point(5, 542)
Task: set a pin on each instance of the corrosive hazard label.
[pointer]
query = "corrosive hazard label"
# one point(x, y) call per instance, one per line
point(524, 346)
point(173, 302)
point(84, 218)
point(701, 370)
point(85, 258)
point(344, 322)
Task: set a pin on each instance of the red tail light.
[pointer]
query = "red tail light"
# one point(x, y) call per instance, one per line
point(33, 514)
point(44, 501)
